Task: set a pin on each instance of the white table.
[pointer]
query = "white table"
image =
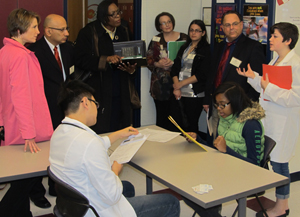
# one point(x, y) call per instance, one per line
point(181, 165)
point(16, 164)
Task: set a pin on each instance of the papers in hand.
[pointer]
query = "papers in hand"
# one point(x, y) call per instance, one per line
point(128, 148)
point(184, 133)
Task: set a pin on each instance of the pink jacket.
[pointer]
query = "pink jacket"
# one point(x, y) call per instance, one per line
point(24, 111)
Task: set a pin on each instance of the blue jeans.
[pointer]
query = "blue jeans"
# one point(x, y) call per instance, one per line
point(282, 192)
point(162, 205)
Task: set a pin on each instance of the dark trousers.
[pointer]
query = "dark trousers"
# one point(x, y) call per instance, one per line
point(162, 113)
point(15, 202)
point(186, 113)
point(38, 191)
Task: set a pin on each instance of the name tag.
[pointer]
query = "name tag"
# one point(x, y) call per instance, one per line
point(236, 62)
point(71, 70)
point(191, 56)
point(156, 39)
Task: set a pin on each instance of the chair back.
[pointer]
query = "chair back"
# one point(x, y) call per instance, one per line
point(69, 201)
point(269, 145)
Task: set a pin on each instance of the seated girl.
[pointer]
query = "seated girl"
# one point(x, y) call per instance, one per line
point(240, 131)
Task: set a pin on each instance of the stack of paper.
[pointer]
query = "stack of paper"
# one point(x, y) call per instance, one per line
point(202, 188)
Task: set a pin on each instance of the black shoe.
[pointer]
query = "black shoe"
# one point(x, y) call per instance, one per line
point(42, 202)
point(261, 214)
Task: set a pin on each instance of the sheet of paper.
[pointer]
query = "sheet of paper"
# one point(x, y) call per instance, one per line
point(128, 148)
point(279, 75)
point(159, 135)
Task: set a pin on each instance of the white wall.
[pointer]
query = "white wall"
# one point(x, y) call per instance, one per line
point(184, 11)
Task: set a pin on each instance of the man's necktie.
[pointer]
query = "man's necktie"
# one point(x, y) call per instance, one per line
point(56, 54)
point(222, 64)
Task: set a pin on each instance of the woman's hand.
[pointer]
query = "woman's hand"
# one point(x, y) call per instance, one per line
point(220, 144)
point(248, 74)
point(206, 107)
point(115, 59)
point(127, 67)
point(264, 83)
point(178, 85)
point(116, 168)
point(177, 94)
point(164, 63)
point(32, 146)
point(193, 135)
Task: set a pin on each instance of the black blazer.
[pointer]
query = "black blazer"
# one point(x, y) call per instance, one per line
point(53, 77)
point(200, 67)
point(247, 51)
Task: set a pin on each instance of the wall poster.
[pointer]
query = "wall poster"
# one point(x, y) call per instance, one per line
point(220, 9)
point(256, 22)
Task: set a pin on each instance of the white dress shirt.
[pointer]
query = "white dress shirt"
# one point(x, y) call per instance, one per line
point(78, 156)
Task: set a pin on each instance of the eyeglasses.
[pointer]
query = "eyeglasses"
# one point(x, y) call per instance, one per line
point(62, 29)
point(94, 101)
point(221, 106)
point(195, 30)
point(228, 25)
point(166, 23)
point(116, 13)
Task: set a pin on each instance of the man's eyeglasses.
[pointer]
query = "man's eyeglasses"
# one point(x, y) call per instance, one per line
point(195, 30)
point(228, 25)
point(94, 101)
point(116, 13)
point(62, 29)
point(221, 106)
point(166, 23)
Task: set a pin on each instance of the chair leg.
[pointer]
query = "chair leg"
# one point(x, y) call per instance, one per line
point(194, 214)
point(261, 206)
point(235, 211)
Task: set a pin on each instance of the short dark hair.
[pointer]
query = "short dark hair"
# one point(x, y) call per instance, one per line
point(288, 31)
point(71, 94)
point(102, 11)
point(20, 20)
point(231, 12)
point(157, 23)
point(236, 96)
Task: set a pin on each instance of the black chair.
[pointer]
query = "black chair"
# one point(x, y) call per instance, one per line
point(69, 201)
point(269, 145)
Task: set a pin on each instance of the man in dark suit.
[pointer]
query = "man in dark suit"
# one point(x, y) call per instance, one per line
point(55, 56)
point(242, 51)
point(235, 51)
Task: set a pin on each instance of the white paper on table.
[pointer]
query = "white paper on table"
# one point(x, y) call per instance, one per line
point(128, 148)
point(209, 123)
point(159, 135)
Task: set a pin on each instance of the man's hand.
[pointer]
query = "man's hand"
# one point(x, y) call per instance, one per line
point(32, 146)
point(128, 131)
point(177, 94)
point(220, 144)
point(248, 74)
point(116, 168)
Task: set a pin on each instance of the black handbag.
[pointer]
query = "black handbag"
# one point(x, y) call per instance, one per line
point(83, 75)
point(134, 97)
